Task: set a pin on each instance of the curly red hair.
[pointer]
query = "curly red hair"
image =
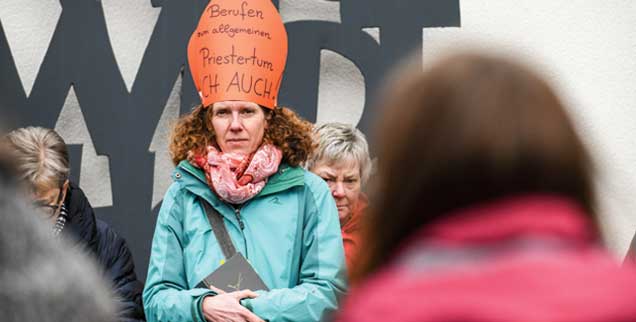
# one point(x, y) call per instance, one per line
point(286, 130)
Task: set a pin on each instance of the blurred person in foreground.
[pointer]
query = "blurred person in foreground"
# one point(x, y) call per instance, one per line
point(485, 206)
point(341, 158)
point(42, 165)
point(43, 279)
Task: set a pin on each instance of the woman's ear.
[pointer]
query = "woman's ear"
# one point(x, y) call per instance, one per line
point(268, 115)
point(65, 187)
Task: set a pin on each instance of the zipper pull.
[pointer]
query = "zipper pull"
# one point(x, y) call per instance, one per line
point(237, 212)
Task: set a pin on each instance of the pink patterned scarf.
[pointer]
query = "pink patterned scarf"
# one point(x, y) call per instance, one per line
point(235, 177)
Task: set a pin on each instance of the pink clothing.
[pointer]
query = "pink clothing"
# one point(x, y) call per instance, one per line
point(237, 178)
point(525, 259)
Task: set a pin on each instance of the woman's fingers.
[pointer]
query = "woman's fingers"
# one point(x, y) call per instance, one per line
point(239, 295)
point(217, 290)
point(226, 307)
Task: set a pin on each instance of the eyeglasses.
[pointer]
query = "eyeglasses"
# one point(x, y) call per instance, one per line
point(50, 210)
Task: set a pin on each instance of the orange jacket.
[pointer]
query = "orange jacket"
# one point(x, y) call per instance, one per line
point(351, 231)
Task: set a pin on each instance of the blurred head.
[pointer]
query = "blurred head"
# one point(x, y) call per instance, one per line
point(469, 129)
point(45, 279)
point(42, 165)
point(242, 127)
point(341, 158)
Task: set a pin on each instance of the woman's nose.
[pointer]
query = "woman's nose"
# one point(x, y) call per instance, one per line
point(338, 190)
point(236, 125)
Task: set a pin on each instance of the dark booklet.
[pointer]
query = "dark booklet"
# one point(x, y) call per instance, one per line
point(234, 275)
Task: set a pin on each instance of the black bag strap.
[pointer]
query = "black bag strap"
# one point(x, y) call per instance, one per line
point(219, 229)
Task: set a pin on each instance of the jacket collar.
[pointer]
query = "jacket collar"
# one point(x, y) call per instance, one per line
point(530, 215)
point(81, 222)
point(193, 179)
point(353, 224)
point(532, 224)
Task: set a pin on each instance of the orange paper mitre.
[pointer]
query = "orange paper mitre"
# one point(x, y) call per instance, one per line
point(238, 52)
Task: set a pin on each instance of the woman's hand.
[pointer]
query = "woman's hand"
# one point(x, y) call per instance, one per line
point(226, 307)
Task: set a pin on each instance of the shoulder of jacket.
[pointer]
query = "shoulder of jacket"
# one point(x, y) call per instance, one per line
point(76, 200)
point(315, 183)
point(183, 183)
point(107, 235)
point(316, 190)
point(81, 215)
point(178, 196)
point(176, 188)
point(112, 247)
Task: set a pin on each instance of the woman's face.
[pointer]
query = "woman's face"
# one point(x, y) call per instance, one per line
point(239, 126)
point(48, 200)
point(343, 178)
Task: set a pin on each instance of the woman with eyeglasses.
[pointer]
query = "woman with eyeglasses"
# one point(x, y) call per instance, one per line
point(42, 165)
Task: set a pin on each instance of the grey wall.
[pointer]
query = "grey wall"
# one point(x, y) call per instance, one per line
point(111, 76)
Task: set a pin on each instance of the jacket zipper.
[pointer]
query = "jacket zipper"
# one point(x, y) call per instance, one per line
point(237, 213)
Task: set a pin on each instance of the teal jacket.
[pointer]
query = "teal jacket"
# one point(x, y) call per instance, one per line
point(289, 232)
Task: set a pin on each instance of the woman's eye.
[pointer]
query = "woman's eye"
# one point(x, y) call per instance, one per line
point(220, 112)
point(248, 112)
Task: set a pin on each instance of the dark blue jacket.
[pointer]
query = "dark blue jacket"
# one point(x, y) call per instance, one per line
point(109, 249)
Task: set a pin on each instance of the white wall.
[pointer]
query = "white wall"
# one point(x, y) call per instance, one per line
point(587, 49)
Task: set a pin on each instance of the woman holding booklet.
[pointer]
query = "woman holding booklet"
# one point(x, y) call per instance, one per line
point(240, 204)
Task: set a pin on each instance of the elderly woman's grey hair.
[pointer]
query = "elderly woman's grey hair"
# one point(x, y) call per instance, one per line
point(338, 142)
point(40, 156)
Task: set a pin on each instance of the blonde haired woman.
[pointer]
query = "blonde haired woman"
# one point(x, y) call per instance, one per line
point(42, 165)
point(342, 160)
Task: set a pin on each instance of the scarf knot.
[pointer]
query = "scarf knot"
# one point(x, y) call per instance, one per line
point(236, 177)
